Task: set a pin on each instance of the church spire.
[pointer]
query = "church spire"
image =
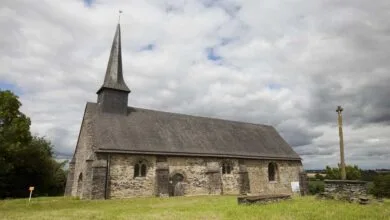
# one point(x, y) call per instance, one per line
point(113, 94)
point(114, 75)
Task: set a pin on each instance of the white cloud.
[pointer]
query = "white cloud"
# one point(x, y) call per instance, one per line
point(285, 63)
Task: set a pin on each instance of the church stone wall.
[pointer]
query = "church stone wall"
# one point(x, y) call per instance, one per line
point(231, 182)
point(84, 150)
point(198, 180)
point(287, 172)
point(194, 172)
point(123, 184)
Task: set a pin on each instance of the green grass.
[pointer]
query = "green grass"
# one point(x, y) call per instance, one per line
point(199, 207)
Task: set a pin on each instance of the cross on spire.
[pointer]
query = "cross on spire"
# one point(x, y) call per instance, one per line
point(119, 16)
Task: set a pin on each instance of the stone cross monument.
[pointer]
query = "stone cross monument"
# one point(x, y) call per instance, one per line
point(340, 122)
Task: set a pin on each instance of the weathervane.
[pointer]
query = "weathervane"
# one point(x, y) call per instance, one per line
point(119, 17)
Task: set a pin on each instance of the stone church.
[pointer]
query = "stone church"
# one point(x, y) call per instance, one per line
point(124, 151)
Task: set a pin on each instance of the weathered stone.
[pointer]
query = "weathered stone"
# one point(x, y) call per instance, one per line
point(347, 190)
point(162, 179)
point(364, 200)
point(244, 183)
point(70, 179)
point(178, 189)
point(201, 176)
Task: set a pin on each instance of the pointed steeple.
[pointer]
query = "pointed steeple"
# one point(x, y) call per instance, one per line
point(114, 75)
point(113, 94)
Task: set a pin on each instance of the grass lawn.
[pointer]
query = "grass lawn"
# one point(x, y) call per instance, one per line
point(199, 207)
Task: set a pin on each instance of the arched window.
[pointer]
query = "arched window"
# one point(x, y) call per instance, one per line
point(140, 169)
point(226, 168)
point(272, 170)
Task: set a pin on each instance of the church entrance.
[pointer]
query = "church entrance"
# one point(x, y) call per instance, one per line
point(176, 187)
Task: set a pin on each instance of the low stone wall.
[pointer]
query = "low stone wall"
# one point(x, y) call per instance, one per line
point(350, 190)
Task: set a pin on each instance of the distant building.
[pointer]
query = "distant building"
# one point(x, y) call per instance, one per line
point(125, 151)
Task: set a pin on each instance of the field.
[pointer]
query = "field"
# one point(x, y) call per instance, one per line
point(200, 207)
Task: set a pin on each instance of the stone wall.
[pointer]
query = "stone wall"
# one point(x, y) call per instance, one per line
point(287, 172)
point(123, 184)
point(200, 176)
point(194, 170)
point(349, 190)
point(70, 179)
point(80, 177)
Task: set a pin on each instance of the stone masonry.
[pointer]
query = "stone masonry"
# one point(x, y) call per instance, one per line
point(202, 176)
point(350, 190)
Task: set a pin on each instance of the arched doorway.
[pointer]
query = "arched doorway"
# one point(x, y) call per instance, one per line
point(80, 185)
point(176, 187)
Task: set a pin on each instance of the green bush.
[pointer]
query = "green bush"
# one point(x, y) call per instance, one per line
point(381, 187)
point(352, 172)
point(319, 176)
point(316, 187)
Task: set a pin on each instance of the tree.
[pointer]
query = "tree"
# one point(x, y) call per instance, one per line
point(14, 129)
point(319, 176)
point(24, 160)
point(368, 175)
point(353, 172)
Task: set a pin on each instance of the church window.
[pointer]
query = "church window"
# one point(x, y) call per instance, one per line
point(140, 169)
point(143, 170)
point(272, 171)
point(226, 168)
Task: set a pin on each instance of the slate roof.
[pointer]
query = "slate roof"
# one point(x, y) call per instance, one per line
point(114, 73)
point(145, 131)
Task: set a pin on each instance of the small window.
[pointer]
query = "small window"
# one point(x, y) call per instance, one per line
point(140, 169)
point(136, 170)
point(143, 170)
point(226, 168)
point(272, 171)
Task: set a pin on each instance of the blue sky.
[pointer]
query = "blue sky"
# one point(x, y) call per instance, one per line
point(286, 64)
point(88, 3)
point(9, 86)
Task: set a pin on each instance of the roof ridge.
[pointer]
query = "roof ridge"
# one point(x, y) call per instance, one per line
point(199, 116)
point(195, 116)
point(177, 133)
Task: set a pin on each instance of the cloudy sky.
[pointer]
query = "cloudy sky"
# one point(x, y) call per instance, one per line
point(285, 63)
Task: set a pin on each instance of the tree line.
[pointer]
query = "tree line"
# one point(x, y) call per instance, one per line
point(380, 182)
point(25, 160)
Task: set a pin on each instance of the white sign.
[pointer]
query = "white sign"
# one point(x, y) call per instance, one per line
point(31, 189)
point(295, 186)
